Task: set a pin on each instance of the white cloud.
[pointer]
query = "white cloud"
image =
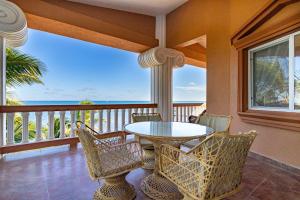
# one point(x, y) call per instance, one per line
point(191, 88)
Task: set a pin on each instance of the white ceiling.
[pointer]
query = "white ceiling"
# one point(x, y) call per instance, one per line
point(147, 7)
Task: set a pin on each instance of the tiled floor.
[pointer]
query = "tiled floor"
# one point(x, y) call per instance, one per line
point(60, 174)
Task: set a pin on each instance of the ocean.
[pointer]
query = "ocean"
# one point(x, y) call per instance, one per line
point(55, 102)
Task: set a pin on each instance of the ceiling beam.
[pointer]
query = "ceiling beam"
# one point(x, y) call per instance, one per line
point(195, 55)
point(119, 29)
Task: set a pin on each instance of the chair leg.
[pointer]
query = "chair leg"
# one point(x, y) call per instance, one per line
point(149, 159)
point(115, 188)
point(185, 196)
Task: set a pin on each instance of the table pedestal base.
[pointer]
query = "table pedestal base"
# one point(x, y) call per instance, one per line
point(149, 159)
point(160, 188)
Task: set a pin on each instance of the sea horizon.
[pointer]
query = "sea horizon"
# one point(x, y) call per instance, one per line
point(77, 102)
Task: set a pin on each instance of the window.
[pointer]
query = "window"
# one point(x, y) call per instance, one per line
point(274, 75)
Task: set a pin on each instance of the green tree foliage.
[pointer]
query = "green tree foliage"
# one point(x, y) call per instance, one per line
point(270, 83)
point(18, 129)
point(87, 113)
point(57, 127)
point(22, 68)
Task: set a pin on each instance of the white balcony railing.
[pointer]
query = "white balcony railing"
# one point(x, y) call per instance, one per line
point(182, 111)
point(30, 127)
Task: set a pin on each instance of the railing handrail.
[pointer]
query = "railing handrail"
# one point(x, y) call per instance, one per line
point(43, 108)
point(186, 104)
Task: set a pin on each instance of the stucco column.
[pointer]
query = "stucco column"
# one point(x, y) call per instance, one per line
point(163, 60)
point(2, 90)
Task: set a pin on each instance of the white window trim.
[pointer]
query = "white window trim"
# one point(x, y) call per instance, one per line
point(290, 39)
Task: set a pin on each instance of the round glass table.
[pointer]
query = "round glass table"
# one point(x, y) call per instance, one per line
point(173, 133)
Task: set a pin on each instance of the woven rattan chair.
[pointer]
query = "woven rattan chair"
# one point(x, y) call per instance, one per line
point(148, 149)
point(110, 159)
point(212, 170)
point(220, 123)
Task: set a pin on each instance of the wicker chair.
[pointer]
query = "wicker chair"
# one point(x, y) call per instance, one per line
point(220, 123)
point(110, 159)
point(148, 149)
point(212, 170)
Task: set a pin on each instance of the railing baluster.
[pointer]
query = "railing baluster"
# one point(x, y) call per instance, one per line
point(82, 116)
point(142, 110)
point(188, 112)
point(50, 125)
point(108, 121)
point(123, 118)
point(62, 124)
point(25, 132)
point(184, 114)
point(116, 118)
point(180, 114)
point(10, 128)
point(174, 114)
point(100, 121)
point(92, 118)
point(129, 115)
point(147, 110)
point(73, 121)
point(38, 127)
point(151, 110)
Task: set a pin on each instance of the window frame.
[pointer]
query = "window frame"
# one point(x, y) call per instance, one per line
point(254, 33)
point(290, 39)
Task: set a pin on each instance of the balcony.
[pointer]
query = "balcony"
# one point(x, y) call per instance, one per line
point(228, 38)
point(105, 119)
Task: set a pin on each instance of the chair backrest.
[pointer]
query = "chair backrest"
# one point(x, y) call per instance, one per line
point(88, 142)
point(220, 123)
point(224, 157)
point(142, 117)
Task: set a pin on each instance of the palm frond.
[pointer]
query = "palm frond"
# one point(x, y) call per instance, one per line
point(22, 68)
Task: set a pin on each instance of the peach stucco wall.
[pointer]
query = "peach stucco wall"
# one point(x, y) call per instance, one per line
point(222, 19)
point(278, 144)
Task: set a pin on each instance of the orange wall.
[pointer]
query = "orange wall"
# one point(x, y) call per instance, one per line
point(192, 20)
point(219, 20)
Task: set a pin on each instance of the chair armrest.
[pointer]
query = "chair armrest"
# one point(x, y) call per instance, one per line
point(177, 156)
point(133, 151)
point(170, 151)
point(110, 141)
point(192, 119)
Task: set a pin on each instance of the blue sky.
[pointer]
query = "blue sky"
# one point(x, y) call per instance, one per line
point(78, 70)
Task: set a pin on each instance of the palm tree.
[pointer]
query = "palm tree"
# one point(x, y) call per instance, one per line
point(22, 68)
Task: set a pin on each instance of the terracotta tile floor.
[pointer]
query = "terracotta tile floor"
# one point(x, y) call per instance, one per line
point(60, 174)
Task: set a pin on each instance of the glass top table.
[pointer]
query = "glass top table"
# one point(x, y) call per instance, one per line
point(165, 130)
point(172, 133)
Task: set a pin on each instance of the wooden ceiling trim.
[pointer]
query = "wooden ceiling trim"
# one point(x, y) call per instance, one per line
point(263, 15)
